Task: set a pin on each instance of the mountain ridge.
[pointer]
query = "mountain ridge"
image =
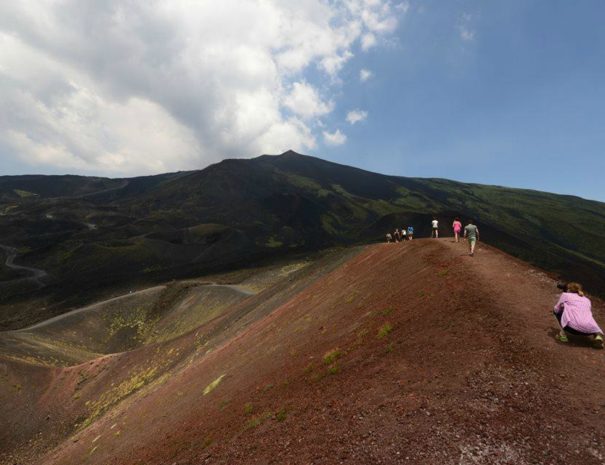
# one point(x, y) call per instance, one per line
point(113, 234)
point(387, 353)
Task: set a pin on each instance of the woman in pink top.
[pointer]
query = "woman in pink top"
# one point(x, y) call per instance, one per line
point(574, 312)
point(457, 225)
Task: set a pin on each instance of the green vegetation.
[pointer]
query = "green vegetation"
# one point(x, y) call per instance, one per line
point(307, 184)
point(248, 408)
point(213, 385)
point(281, 414)
point(331, 356)
point(273, 242)
point(384, 330)
point(24, 194)
point(117, 393)
point(330, 225)
point(258, 420)
point(223, 404)
point(135, 318)
point(333, 369)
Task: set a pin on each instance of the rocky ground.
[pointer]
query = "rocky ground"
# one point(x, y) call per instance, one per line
point(395, 353)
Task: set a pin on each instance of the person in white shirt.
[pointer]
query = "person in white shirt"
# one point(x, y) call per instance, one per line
point(435, 232)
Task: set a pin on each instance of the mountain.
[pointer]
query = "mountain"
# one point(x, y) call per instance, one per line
point(409, 353)
point(95, 237)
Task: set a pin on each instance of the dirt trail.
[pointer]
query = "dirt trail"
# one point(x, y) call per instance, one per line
point(410, 353)
point(240, 289)
point(36, 274)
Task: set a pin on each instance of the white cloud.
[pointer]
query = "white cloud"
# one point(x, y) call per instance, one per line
point(365, 75)
point(305, 102)
point(334, 138)
point(356, 116)
point(139, 87)
point(467, 34)
point(403, 6)
point(368, 41)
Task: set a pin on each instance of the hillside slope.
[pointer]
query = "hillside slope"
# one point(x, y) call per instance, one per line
point(394, 353)
point(141, 231)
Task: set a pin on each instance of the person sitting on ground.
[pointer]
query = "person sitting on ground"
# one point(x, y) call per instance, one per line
point(471, 232)
point(457, 226)
point(435, 224)
point(397, 235)
point(389, 237)
point(410, 233)
point(574, 313)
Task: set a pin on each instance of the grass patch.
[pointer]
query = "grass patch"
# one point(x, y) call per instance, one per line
point(318, 376)
point(333, 369)
point(258, 420)
point(387, 311)
point(273, 242)
point(223, 404)
point(443, 272)
point(308, 369)
point(212, 386)
point(331, 356)
point(24, 194)
point(116, 394)
point(281, 414)
point(248, 408)
point(384, 330)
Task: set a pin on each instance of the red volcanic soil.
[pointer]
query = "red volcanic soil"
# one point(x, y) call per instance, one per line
point(411, 353)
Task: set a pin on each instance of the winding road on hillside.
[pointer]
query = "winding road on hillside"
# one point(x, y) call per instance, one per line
point(239, 289)
point(36, 274)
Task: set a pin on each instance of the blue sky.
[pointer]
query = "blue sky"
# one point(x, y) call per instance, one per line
point(494, 92)
point(520, 103)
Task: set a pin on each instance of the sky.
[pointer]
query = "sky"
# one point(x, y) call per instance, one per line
point(496, 92)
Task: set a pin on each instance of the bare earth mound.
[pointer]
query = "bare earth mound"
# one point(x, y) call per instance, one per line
point(396, 353)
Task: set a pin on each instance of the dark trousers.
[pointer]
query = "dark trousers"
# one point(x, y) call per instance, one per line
point(568, 329)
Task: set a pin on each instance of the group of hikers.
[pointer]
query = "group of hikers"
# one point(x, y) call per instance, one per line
point(471, 233)
point(573, 310)
point(403, 235)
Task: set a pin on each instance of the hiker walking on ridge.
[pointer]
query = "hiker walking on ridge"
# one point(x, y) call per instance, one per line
point(410, 232)
point(435, 232)
point(574, 313)
point(397, 235)
point(457, 226)
point(389, 237)
point(404, 234)
point(471, 232)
